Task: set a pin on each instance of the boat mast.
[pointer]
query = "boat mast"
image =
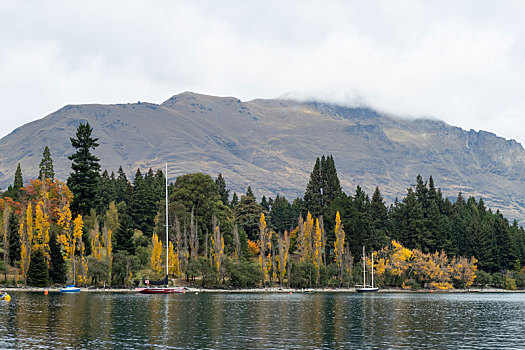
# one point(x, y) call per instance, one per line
point(364, 267)
point(167, 252)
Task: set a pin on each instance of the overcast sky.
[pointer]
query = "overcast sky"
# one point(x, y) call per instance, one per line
point(459, 61)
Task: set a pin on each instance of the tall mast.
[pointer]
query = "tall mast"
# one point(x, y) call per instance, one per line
point(364, 267)
point(167, 255)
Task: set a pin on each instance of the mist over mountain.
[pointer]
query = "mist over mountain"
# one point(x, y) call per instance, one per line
point(272, 145)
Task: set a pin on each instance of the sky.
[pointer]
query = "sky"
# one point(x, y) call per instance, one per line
point(459, 61)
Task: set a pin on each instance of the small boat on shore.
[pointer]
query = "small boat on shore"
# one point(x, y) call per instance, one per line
point(5, 296)
point(367, 288)
point(161, 290)
point(70, 289)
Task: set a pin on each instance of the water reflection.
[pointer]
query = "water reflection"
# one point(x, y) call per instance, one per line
point(262, 321)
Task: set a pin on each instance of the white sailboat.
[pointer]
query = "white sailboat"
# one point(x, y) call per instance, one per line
point(166, 289)
point(367, 288)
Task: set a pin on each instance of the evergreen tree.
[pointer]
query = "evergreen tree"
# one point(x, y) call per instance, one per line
point(14, 191)
point(331, 184)
point(46, 166)
point(83, 180)
point(410, 221)
point(249, 192)
point(247, 214)
point(235, 200)
point(105, 191)
point(281, 214)
point(313, 198)
point(223, 192)
point(264, 204)
point(124, 234)
point(144, 209)
point(121, 186)
point(57, 265)
point(379, 220)
point(38, 274)
point(323, 187)
point(14, 240)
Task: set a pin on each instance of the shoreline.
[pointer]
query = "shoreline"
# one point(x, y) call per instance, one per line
point(266, 290)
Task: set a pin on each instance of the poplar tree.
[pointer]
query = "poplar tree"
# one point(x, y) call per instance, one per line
point(83, 180)
point(46, 166)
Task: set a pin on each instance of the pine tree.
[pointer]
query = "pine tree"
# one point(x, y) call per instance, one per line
point(14, 240)
point(46, 166)
point(313, 198)
point(235, 200)
point(83, 180)
point(223, 192)
point(38, 274)
point(249, 193)
point(57, 266)
point(14, 191)
point(323, 187)
point(264, 204)
point(124, 233)
point(379, 220)
point(281, 214)
point(121, 186)
point(106, 191)
point(331, 184)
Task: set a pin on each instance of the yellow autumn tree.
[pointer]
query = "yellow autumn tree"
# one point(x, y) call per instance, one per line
point(174, 268)
point(263, 247)
point(156, 251)
point(65, 236)
point(317, 248)
point(41, 232)
point(284, 247)
point(96, 246)
point(83, 265)
point(339, 245)
point(106, 233)
point(253, 248)
point(78, 225)
point(432, 270)
point(306, 242)
point(29, 223)
point(25, 250)
point(217, 243)
point(464, 270)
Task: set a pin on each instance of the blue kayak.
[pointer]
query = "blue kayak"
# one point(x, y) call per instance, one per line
point(70, 289)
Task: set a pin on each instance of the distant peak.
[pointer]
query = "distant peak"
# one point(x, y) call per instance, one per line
point(189, 96)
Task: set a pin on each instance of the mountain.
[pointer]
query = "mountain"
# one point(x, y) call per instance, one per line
point(272, 145)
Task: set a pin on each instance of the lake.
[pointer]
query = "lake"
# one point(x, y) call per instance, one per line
point(263, 321)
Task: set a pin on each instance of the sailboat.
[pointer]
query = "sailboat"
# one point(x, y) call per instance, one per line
point(365, 288)
point(165, 289)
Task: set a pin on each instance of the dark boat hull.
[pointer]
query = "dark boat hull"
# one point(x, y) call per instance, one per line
point(367, 290)
point(160, 290)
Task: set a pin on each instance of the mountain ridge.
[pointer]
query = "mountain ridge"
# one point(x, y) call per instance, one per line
point(271, 144)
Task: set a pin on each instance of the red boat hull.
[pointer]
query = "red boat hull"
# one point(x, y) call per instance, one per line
point(167, 290)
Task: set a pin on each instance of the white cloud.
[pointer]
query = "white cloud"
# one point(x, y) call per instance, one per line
point(458, 61)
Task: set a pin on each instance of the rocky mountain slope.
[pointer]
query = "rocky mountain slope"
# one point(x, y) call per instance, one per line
point(272, 145)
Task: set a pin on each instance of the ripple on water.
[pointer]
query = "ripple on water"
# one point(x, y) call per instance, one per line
point(262, 321)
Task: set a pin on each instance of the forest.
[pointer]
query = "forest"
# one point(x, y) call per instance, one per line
point(101, 228)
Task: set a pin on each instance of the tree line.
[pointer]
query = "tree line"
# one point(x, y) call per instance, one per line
point(105, 228)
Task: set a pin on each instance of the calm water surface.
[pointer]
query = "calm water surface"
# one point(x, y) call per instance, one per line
point(262, 321)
